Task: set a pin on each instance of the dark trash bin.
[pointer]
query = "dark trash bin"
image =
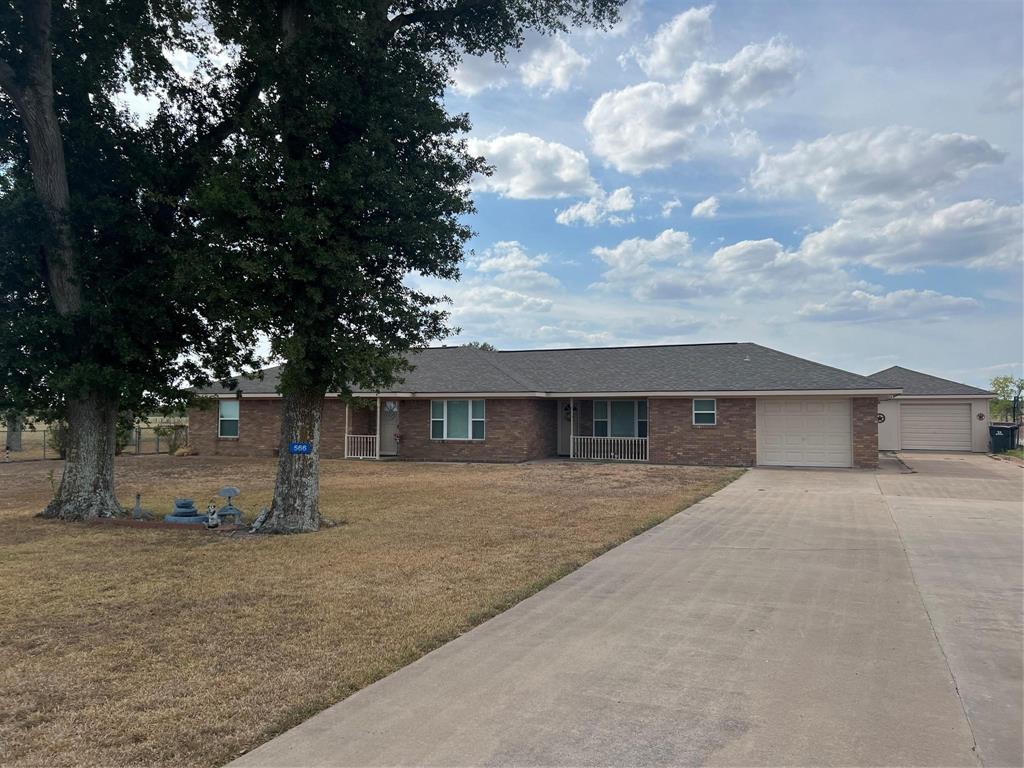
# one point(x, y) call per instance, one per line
point(1002, 437)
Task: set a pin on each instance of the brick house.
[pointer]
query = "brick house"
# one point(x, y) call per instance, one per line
point(735, 404)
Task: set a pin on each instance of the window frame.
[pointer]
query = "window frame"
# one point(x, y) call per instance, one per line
point(220, 418)
point(607, 419)
point(471, 420)
point(694, 411)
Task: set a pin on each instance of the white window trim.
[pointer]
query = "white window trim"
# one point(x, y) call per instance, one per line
point(608, 418)
point(221, 420)
point(713, 411)
point(444, 421)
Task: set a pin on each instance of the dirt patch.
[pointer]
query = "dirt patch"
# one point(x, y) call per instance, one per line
point(145, 646)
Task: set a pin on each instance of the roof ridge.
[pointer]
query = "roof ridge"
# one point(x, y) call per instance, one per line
point(868, 379)
point(932, 376)
point(502, 369)
point(620, 346)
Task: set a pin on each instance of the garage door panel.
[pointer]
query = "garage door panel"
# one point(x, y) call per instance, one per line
point(935, 426)
point(804, 432)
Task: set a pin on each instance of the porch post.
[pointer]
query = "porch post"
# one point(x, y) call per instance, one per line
point(346, 430)
point(376, 441)
point(572, 427)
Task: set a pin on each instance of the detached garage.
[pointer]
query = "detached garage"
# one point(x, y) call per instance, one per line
point(932, 414)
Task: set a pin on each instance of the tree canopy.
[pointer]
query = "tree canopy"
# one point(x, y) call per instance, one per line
point(347, 182)
point(1006, 388)
point(138, 311)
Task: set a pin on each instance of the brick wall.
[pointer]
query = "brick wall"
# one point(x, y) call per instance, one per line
point(259, 429)
point(674, 439)
point(521, 429)
point(517, 429)
point(865, 432)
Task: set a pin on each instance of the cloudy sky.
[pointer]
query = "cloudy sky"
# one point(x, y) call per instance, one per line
point(841, 181)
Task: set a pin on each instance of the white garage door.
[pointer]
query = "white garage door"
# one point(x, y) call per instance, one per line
point(804, 432)
point(935, 426)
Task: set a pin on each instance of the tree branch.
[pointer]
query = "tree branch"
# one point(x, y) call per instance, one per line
point(433, 15)
point(9, 80)
point(194, 156)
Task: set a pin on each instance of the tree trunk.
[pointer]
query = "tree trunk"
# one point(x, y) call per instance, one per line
point(14, 423)
point(87, 486)
point(296, 505)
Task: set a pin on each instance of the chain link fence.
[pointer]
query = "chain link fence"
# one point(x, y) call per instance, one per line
point(46, 443)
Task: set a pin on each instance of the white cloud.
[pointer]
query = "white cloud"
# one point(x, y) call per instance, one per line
point(860, 306)
point(765, 267)
point(676, 44)
point(651, 125)
point(668, 206)
point(507, 263)
point(489, 298)
point(892, 164)
point(975, 233)
point(552, 66)
point(527, 168)
point(705, 209)
point(745, 142)
point(748, 256)
point(598, 209)
point(637, 255)
point(475, 74)
point(666, 268)
point(1005, 94)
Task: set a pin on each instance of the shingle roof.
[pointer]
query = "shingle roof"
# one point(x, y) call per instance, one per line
point(917, 383)
point(728, 367)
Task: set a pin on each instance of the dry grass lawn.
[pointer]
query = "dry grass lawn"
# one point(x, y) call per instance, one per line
point(121, 646)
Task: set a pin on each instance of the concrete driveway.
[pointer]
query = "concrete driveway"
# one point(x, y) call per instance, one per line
point(797, 617)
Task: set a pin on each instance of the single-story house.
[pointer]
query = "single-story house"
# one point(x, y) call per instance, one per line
point(732, 404)
point(931, 414)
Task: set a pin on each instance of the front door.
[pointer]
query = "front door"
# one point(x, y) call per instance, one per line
point(564, 426)
point(389, 428)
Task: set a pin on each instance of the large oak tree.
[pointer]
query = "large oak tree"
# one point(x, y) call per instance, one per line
point(347, 177)
point(104, 306)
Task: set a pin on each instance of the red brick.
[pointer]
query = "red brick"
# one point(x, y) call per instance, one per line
point(865, 432)
point(674, 439)
point(516, 429)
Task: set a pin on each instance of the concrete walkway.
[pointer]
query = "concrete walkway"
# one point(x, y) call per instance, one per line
point(797, 617)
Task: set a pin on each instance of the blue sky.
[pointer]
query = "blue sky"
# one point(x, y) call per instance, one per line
point(840, 181)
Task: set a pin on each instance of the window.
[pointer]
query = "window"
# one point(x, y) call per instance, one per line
point(600, 418)
point(457, 419)
point(704, 412)
point(228, 419)
point(620, 418)
point(623, 421)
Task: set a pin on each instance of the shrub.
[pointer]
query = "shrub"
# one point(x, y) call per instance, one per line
point(58, 437)
point(174, 434)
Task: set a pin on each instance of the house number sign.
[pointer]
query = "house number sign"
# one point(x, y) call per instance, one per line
point(302, 449)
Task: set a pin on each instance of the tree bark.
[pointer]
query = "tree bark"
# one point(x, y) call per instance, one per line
point(87, 486)
point(296, 505)
point(14, 425)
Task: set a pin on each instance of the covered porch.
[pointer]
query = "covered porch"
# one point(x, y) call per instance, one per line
point(603, 429)
point(371, 429)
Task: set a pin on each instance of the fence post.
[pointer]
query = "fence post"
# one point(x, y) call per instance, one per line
point(46, 439)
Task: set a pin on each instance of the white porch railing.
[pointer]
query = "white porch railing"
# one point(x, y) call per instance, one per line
point(361, 447)
point(609, 448)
